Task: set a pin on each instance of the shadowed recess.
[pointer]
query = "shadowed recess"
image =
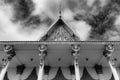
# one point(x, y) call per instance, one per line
point(112, 77)
point(86, 75)
point(6, 76)
point(59, 75)
point(33, 75)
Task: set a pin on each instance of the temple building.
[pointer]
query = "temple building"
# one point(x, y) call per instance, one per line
point(59, 55)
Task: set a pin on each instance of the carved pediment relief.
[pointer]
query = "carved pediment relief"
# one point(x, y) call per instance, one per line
point(60, 32)
point(60, 35)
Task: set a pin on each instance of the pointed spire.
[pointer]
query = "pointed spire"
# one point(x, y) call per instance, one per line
point(60, 9)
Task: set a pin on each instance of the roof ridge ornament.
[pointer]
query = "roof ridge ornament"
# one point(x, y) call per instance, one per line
point(60, 9)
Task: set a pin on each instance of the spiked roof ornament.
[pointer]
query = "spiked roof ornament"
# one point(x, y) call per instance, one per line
point(60, 9)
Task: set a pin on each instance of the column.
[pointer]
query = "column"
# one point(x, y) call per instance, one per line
point(108, 50)
point(75, 54)
point(10, 53)
point(42, 54)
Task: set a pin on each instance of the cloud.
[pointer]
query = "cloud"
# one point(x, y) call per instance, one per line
point(40, 6)
point(14, 25)
point(68, 14)
point(99, 20)
point(112, 35)
point(11, 31)
point(82, 29)
point(90, 2)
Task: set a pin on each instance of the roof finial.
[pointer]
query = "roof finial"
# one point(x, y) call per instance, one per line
point(60, 9)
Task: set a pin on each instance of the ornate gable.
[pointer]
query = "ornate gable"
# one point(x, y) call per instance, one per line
point(60, 32)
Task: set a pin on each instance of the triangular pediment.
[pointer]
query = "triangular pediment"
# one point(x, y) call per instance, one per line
point(60, 32)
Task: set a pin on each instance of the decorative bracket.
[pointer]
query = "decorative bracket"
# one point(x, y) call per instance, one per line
point(10, 51)
point(108, 50)
point(75, 50)
point(42, 53)
point(75, 53)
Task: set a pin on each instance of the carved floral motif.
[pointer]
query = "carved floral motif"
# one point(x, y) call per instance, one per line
point(60, 35)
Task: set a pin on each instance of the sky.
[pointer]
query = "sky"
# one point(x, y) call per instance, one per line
point(29, 20)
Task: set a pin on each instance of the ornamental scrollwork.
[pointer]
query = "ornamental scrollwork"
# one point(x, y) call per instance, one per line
point(10, 51)
point(60, 35)
point(42, 53)
point(75, 50)
point(108, 50)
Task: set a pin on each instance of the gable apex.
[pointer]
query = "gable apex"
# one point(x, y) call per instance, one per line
point(60, 31)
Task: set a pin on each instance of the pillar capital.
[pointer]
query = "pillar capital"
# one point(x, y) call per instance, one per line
point(75, 50)
point(10, 51)
point(75, 47)
point(42, 53)
point(108, 50)
point(42, 48)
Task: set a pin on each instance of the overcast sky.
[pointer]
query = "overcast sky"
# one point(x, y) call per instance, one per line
point(28, 20)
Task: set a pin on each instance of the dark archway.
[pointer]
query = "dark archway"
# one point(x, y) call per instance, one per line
point(33, 75)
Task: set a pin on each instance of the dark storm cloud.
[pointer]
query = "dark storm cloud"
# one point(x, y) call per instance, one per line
point(23, 9)
point(100, 16)
point(23, 13)
point(37, 20)
point(104, 20)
